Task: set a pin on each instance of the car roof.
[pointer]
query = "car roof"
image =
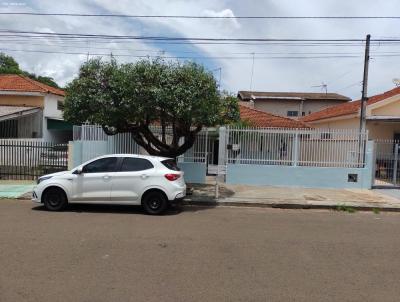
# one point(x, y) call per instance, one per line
point(160, 158)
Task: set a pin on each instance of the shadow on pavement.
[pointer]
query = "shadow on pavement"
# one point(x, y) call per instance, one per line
point(123, 209)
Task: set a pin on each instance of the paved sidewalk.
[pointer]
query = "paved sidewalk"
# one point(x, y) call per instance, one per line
point(16, 188)
point(261, 196)
point(289, 197)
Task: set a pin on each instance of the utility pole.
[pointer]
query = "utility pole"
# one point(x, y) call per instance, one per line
point(364, 97)
point(363, 107)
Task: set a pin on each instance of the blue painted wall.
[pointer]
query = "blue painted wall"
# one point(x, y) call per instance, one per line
point(309, 177)
point(194, 172)
point(297, 176)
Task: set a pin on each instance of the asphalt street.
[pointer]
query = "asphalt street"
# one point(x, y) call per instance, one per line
point(117, 253)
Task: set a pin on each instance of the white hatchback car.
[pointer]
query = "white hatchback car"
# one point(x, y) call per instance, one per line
point(151, 181)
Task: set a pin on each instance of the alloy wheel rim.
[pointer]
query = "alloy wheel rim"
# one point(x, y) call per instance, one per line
point(54, 200)
point(154, 204)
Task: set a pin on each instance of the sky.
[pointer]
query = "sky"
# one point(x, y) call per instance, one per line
point(232, 64)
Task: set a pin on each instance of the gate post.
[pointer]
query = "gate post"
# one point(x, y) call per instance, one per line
point(70, 159)
point(396, 157)
point(222, 146)
point(295, 148)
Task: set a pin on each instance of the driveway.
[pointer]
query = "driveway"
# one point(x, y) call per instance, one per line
point(109, 253)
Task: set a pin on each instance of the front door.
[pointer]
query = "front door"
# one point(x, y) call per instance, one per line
point(94, 183)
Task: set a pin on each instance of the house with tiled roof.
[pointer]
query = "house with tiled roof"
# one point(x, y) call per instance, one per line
point(290, 104)
point(30, 109)
point(382, 116)
point(258, 118)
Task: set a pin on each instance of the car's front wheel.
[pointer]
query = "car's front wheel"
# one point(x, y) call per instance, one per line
point(155, 203)
point(54, 199)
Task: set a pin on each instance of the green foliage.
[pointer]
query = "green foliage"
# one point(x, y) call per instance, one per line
point(42, 79)
point(9, 66)
point(344, 208)
point(376, 210)
point(242, 124)
point(131, 97)
point(230, 113)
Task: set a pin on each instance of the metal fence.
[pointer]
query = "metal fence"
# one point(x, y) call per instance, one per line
point(29, 159)
point(296, 147)
point(387, 170)
point(97, 143)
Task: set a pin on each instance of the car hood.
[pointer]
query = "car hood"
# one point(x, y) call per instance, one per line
point(55, 174)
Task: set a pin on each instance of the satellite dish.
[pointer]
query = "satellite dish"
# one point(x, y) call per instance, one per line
point(396, 82)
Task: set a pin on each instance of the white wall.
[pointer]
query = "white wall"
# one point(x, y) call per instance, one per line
point(51, 111)
point(281, 107)
point(50, 106)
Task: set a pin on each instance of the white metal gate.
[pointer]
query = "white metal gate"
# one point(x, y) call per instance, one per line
point(387, 170)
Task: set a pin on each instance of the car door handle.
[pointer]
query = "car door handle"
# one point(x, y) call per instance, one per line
point(144, 176)
point(106, 177)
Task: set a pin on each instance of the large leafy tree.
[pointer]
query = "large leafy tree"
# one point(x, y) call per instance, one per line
point(180, 98)
point(8, 65)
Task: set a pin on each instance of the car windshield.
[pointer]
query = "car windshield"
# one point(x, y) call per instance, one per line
point(171, 164)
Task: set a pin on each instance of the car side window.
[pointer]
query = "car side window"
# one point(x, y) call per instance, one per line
point(107, 164)
point(135, 164)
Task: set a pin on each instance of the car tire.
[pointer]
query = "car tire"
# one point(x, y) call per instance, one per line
point(54, 199)
point(155, 203)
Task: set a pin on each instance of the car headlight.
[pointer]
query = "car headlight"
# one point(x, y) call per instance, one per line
point(40, 179)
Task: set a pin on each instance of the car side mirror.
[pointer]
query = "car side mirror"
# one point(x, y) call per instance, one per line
point(79, 170)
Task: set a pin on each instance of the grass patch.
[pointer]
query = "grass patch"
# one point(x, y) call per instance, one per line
point(376, 211)
point(344, 208)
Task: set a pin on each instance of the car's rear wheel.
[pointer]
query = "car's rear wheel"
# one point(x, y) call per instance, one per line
point(155, 203)
point(54, 199)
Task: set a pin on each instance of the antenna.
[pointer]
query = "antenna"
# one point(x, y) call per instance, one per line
point(323, 86)
point(88, 49)
point(252, 73)
point(396, 82)
point(220, 74)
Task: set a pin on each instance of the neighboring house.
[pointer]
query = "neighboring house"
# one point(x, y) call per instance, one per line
point(30, 109)
point(258, 118)
point(382, 116)
point(291, 104)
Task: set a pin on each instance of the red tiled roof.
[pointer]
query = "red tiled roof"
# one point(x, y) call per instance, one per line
point(259, 118)
point(348, 108)
point(16, 82)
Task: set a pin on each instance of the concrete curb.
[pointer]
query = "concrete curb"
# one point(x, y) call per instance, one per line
point(214, 203)
point(283, 205)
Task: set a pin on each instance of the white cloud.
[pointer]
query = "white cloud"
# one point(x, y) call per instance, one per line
point(224, 13)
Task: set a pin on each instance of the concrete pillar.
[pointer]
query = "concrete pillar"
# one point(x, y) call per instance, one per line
point(370, 163)
point(70, 155)
point(222, 146)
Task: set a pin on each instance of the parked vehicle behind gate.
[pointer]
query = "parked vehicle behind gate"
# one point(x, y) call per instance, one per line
point(54, 158)
point(150, 181)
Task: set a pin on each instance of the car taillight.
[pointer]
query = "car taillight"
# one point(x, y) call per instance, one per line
point(172, 177)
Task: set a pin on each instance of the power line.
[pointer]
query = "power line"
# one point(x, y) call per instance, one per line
point(139, 37)
point(197, 57)
point(13, 34)
point(166, 38)
point(199, 17)
point(29, 34)
point(63, 45)
point(67, 45)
